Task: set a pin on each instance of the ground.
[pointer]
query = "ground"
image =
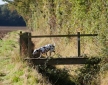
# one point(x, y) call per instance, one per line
point(4, 30)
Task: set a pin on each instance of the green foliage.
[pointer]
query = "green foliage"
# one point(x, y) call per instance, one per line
point(104, 64)
point(89, 74)
point(13, 71)
point(7, 46)
point(55, 76)
point(65, 16)
point(68, 17)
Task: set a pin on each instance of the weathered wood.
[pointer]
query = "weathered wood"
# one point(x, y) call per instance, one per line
point(60, 61)
point(78, 42)
point(29, 44)
point(23, 44)
point(20, 40)
point(26, 44)
point(73, 35)
point(78, 35)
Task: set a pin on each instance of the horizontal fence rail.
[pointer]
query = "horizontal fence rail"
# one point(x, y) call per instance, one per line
point(74, 35)
point(78, 35)
point(62, 61)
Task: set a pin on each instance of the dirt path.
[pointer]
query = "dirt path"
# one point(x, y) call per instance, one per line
point(9, 28)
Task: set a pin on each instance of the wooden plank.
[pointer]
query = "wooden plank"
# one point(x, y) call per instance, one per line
point(73, 35)
point(59, 61)
point(88, 34)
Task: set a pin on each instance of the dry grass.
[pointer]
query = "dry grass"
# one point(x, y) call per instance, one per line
point(19, 73)
point(104, 78)
point(68, 48)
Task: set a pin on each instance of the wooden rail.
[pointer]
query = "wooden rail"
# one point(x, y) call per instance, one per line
point(63, 61)
point(58, 61)
point(78, 35)
point(74, 35)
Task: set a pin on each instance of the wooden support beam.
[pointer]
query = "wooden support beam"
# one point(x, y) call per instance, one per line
point(72, 35)
point(20, 42)
point(78, 46)
point(29, 44)
point(61, 61)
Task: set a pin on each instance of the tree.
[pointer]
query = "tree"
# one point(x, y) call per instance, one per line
point(10, 18)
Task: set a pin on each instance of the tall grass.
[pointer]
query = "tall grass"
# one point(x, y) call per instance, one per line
point(18, 72)
point(13, 70)
point(68, 17)
point(68, 48)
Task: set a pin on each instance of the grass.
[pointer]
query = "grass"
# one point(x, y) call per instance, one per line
point(14, 71)
point(88, 49)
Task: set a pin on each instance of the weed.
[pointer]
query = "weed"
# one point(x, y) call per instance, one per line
point(89, 74)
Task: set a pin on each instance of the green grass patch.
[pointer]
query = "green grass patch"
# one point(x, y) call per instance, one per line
point(14, 71)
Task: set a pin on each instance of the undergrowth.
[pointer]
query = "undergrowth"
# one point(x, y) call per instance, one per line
point(14, 71)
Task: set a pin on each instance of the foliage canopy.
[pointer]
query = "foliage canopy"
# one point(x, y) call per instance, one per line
point(66, 17)
point(10, 18)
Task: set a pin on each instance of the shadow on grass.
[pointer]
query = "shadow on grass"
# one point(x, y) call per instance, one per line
point(55, 76)
point(87, 74)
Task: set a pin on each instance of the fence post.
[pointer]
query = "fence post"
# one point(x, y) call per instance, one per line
point(29, 44)
point(78, 33)
point(20, 40)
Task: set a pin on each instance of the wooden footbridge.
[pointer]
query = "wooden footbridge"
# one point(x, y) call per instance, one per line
point(57, 61)
point(63, 61)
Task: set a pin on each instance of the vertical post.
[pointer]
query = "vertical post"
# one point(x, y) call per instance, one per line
point(20, 42)
point(29, 44)
point(78, 33)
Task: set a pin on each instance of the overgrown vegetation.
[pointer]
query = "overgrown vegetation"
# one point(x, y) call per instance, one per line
point(69, 17)
point(18, 72)
point(13, 71)
point(89, 74)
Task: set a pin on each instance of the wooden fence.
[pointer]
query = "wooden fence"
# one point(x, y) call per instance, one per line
point(54, 61)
